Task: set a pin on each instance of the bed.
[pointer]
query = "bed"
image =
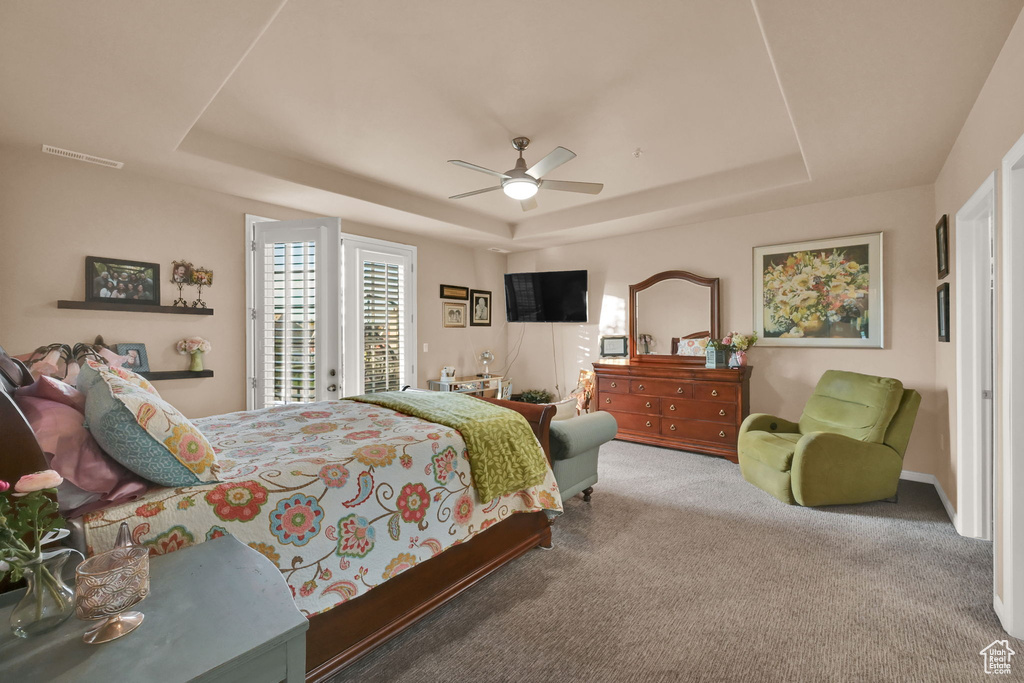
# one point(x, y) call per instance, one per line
point(432, 539)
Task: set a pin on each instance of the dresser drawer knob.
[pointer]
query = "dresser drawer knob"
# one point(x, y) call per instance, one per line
point(679, 390)
point(607, 400)
point(648, 404)
point(640, 388)
point(721, 434)
point(648, 423)
point(672, 428)
point(714, 392)
point(721, 412)
point(614, 385)
point(672, 407)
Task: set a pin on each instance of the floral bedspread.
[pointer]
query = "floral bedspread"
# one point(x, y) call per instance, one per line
point(340, 495)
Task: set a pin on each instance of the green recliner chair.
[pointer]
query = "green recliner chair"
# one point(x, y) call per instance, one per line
point(847, 447)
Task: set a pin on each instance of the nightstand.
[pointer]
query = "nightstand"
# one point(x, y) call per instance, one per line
point(218, 611)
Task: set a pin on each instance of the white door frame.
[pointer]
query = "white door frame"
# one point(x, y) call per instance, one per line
point(974, 231)
point(1009, 545)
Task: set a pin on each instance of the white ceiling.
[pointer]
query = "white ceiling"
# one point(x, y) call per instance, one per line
point(352, 108)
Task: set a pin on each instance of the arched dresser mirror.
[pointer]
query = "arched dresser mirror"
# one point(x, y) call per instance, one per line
point(667, 309)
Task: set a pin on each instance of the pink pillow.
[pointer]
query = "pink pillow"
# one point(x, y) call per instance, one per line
point(74, 453)
point(52, 389)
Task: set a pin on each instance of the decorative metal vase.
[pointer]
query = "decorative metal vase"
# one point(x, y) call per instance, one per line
point(48, 601)
point(108, 584)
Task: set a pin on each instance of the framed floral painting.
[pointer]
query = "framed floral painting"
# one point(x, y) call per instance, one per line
point(820, 293)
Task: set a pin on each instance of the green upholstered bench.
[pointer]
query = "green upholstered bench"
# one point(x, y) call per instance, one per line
point(574, 446)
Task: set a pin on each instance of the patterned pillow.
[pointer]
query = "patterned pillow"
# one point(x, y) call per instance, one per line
point(142, 431)
point(693, 347)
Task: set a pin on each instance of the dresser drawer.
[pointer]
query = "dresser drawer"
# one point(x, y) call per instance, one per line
point(631, 404)
point(699, 410)
point(638, 423)
point(662, 387)
point(612, 385)
point(700, 430)
point(714, 391)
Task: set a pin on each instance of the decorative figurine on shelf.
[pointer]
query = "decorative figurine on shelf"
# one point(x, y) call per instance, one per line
point(201, 277)
point(181, 275)
point(195, 347)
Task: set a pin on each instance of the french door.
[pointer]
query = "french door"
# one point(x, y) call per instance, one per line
point(329, 314)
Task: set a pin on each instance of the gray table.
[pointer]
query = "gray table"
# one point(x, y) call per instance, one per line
point(218, 611)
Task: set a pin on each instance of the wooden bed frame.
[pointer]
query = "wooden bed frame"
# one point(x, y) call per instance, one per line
point(344, 633)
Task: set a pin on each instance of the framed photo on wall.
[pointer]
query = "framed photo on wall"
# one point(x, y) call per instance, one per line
point(454, 292)
point(942, 299)
point(820, 293)
point(453, 315)
point(120, 281)
point(942, 246)
point(479, 308)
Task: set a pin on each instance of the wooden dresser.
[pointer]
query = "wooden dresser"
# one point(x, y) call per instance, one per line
point(686, 407)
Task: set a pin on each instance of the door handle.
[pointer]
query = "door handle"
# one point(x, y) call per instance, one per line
point(333, 387)
point(648, 423)
point(721, 434)
point(607, 400)
point(721, 412)
point(672, 427)
point(714, 392)
point(672, 406)
point(648, 404)
point(640, 388)
point(614, 385)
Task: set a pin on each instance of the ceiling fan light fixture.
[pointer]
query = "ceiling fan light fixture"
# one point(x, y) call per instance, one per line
point(519, 188)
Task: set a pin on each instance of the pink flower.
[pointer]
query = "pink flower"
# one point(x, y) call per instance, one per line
point(4, 486)
point(37, 481)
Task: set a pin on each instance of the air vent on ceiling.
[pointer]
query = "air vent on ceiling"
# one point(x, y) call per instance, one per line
point(57, 151)
point(499, 250)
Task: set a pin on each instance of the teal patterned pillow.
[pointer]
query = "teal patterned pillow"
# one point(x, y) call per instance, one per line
point(143, 432)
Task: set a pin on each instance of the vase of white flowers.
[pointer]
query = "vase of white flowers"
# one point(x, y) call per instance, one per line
point(29, 520)
point(195, 347)
point(738, 344)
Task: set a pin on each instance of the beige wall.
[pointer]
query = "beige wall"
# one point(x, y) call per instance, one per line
point(993, 126)
point(783, 377)
point(54, 212)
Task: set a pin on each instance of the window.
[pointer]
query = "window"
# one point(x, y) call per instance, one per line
point(330, 314)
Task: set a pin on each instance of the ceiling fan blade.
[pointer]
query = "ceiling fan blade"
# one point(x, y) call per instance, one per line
point(470, 194)
point(571, 186)
point(474, 167)
point(528, 204)
point(557, 157)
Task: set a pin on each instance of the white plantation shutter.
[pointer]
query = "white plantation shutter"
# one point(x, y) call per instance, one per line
point(383, 313)
point(383, 338)
point(330, 315)
point(294, 340)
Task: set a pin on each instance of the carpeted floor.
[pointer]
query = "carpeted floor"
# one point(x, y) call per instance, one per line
point(680, 570)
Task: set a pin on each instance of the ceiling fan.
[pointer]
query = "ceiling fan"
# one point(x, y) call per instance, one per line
point(522, 183)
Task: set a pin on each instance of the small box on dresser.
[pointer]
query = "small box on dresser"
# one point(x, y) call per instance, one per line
point(690, 407)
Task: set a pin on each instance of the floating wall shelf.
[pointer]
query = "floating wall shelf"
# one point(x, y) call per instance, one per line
point(135, 308)
point(176, 374)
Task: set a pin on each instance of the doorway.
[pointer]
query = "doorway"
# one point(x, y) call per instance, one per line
point(975, 360)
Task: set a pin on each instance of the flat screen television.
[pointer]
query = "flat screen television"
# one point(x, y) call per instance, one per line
point(558, 296)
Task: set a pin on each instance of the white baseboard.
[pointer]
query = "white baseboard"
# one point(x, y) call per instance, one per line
point(930, 479)
point(997, 605)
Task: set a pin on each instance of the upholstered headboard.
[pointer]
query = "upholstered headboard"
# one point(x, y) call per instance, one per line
point(19, 451)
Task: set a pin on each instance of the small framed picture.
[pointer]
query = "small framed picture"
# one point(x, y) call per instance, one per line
point(942, 299)
point(134, 355)
point(181, 272)
point(479, 308)
point(612, 347)
point(120, 281)
point(453, 292)
point(453, 315)
point(942, 246)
